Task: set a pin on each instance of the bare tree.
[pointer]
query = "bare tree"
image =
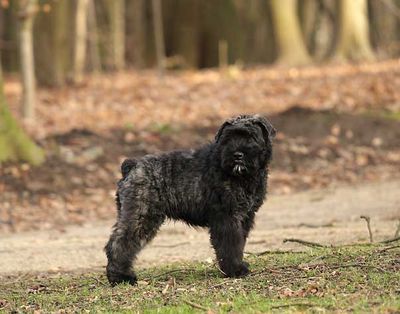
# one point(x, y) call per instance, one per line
point(139, 32)
point(26, 14)
point(81, 14)
point(292, 50)
point(53, 44)
point(159, 35)
point(353, 32)
point(116, 11)
point(93, 38)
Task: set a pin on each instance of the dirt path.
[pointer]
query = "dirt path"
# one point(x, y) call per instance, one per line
point(325, 216)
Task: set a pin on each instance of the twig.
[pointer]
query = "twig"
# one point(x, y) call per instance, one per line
point(167, 273)
point(397, 233)
point(368, 220)
point(303, 267)
point(306, 243)
point(219, 268)
point(390, 240)
point(256, 242)
point(220, 284)
point(330, 224)
point(272, 252)
point(389, 248)
point(98, 281)
point(172, 245)
point(291, 304)
point(358, 265)
point(195, 305)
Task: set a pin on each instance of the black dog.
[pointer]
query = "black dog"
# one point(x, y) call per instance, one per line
point(219, 186)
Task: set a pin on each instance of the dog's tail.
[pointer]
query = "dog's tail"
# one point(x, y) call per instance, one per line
point(126, 167)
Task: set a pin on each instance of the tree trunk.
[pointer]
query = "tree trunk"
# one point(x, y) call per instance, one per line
point(219, 21)
point(159, 35)
point(53, 53)
point(116, 11)
point(9, 44)
point(256, 25)
point(292, 50)
point(353, 32)
point(185, 37)
point(14, 143)
point(81, 14)
point(136, 32)
point(93, 38)
point(309, 17)
point(27, 13)
point(384, 27)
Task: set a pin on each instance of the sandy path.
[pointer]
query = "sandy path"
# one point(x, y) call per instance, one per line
point(281, 217)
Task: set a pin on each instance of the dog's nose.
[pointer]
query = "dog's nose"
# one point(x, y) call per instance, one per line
point(238, 155)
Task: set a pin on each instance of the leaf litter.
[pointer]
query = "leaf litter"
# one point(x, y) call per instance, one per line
point(336, 124)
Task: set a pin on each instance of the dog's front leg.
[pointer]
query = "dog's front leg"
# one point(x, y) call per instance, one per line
point(228, 242)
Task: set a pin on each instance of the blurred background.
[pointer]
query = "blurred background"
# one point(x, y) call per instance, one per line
point(87, 83)
point(82, 36)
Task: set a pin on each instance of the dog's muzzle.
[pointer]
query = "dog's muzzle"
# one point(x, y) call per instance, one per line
point(239, 169)
point(239, 166)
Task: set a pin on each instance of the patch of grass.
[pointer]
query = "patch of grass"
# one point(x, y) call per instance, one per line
point(383, 113)
point(129, 126)
point(394, 115)
point(162, 128)
point(348, 279)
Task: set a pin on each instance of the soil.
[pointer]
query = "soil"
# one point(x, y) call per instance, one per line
point(336, 157)
point(327, 216)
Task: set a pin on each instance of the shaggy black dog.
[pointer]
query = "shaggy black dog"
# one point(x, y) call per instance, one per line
point(219, 186)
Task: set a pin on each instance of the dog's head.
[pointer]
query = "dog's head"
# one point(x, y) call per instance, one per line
point(245, 144)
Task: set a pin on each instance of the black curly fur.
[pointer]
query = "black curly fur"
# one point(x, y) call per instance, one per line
point(219, 186)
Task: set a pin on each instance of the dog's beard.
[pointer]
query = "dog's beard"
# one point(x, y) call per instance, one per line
point(239, 169)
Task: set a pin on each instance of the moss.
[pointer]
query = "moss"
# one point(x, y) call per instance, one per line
point(14, 143)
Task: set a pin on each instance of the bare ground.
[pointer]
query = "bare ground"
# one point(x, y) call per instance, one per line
point(328, 216)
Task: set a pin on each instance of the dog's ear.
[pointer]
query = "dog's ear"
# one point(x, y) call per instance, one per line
point(126, 166)
point(268, 130)
point(221, 129)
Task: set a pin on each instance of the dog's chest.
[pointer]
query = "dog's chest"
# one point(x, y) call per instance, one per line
point(243, 198)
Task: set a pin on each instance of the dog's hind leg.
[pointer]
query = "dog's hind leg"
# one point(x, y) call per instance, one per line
point(131, 233)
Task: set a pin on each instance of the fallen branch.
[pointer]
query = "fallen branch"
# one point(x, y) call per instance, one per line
point(389, 248)
point(358, 265)
point(390, 240)
point(306, 243)
point(195, 305)
point(307, 267)
point(368, 220)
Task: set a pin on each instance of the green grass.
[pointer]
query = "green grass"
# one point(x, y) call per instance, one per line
point(162, 128)
point(357, 279)
point(392, 115)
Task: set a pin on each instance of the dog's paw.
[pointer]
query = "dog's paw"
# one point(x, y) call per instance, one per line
point(116, 278)
point(242, 270)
